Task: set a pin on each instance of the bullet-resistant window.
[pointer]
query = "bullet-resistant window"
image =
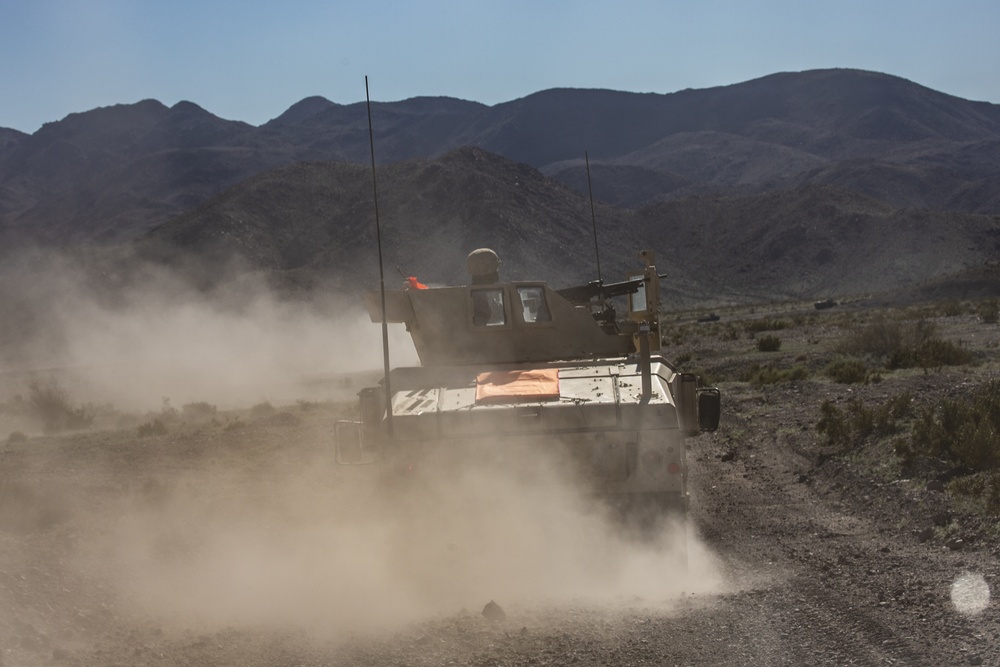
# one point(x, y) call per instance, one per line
point(533, 306)
point(487, 308)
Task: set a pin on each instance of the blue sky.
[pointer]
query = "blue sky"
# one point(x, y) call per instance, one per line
point(251, 59)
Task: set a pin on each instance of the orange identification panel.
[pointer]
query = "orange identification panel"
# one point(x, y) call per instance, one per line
point(541, 384)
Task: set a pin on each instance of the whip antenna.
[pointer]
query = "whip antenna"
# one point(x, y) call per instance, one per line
point(593, 220)
point(381, 274)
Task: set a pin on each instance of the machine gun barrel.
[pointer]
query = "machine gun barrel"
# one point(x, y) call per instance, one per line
point(582, 294)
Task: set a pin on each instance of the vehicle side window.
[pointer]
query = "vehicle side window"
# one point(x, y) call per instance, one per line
point(533, 306)
point(487, 308)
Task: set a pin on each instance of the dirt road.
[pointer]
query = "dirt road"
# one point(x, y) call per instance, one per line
point(234, 539)
point(240, 543)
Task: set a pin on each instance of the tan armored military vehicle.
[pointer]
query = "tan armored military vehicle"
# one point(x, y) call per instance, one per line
point(520, 365)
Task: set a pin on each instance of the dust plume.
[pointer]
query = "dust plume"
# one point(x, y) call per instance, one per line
point(310, 546)
point(258, 528)
point(136, 340)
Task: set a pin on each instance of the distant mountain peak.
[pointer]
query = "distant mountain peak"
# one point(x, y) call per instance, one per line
point(301, 110)
point(10, 137)
point(187, 107)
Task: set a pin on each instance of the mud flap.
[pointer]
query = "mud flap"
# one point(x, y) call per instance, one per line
point(659, 520)
point(647, 515)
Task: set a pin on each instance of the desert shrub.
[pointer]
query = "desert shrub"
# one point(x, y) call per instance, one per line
point(962, 431)
point(848, 428)
point(988, 311)
point(937, 352)
point(730, 332)
point(198, 411)
point(847, 371)
point(759, 376)
point(50, 405)
point(705, 378)
point(236, 424)
point(952, 308)
point(764, 324)
point(155, 427)
point(16, 437)
point(931, 353)
point(879, 338)
point(802, 320)
point(768, 344)
point(982, 488)
point(834, 423)
point(260, 410)
point(910, 345)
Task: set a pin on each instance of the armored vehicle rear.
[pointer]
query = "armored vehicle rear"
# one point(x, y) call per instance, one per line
point(514, 370)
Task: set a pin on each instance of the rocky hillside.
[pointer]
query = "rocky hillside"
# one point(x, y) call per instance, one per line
point(110, 174)
point(314, 223)
point(796, 185)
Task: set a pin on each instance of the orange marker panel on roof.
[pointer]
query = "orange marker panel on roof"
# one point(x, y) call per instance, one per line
point(541, 384)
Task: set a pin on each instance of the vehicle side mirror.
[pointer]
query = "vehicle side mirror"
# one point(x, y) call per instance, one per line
point(709, 408)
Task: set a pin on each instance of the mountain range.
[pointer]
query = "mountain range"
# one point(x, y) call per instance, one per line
point(793, 185)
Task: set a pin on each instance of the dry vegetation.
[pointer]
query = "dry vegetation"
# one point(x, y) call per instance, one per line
point(911, 390)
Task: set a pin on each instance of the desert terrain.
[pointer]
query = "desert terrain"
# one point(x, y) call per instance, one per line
point(210, 524)
point(177, 344)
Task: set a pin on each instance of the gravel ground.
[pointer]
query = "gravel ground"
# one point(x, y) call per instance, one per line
point(242, 543)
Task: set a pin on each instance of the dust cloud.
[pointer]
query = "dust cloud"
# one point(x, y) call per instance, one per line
point(258, 529)
point(137, 340)
point(334, 552)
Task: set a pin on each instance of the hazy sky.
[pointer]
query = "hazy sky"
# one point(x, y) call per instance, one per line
point(252, 59)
